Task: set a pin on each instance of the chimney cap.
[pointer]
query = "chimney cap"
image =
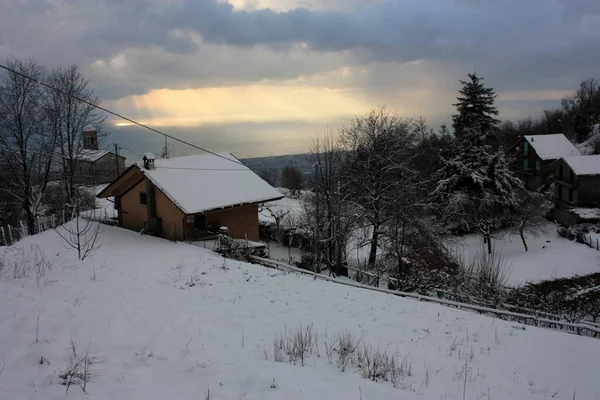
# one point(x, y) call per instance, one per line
point(148, 161)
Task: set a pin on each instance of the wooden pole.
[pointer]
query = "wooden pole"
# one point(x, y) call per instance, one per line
point(22, 230)
point(10, 234)
point(3, 236)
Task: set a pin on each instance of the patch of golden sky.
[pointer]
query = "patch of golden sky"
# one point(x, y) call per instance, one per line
point(252, 103)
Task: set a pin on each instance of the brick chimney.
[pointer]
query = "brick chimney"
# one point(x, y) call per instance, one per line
point(90, 138)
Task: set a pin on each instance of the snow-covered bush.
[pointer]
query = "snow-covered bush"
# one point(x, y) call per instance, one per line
point(572, 299)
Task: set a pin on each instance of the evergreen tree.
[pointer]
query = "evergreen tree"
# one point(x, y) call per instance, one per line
point(475, 187)
point(476, 109)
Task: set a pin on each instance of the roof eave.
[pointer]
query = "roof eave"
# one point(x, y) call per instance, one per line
point(234, 205)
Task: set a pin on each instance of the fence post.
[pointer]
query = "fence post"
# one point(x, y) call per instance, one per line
point(10, 235)
point(53, 221)
point(63, 213)
point(3, 236)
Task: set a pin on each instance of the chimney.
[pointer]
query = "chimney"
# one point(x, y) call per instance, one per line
point(90, 138)
point(148, 161)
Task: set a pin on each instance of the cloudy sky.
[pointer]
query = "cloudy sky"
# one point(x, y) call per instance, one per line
point(272, 74)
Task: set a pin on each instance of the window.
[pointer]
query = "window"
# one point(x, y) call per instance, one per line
point(525, 148)
point(570, 194)
point(560, 192)
point(143, 198)
point(572, 175)
point(538, 165)
point(525, 164)
point(560, 171)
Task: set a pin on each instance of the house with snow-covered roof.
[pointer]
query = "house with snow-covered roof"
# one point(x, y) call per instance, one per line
point(191, 197)
point(537, 152)
point(576, 193)
point(94, 166)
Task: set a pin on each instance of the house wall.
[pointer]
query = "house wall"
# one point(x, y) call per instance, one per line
point(589, 190)
point(172, 218)
point(102, 170)
point(532, 177)
point(241, 221)
point(571, 191)
point(134, 214)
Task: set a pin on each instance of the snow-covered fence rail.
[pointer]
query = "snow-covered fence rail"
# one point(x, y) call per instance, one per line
point(584, 329)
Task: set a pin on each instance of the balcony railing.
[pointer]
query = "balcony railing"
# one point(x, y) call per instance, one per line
point(562, 182)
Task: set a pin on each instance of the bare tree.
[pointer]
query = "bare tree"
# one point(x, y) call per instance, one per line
point(529, 216)
point(268, 175)
point(80, 233)
point(26, 146)
point(380, 148)
point(68, 117)
point(584, 108)
point(335, 219)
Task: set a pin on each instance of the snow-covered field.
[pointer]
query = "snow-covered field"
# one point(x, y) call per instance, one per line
point(549, 256)
point(167, 320)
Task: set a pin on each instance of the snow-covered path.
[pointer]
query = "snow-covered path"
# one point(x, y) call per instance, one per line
point(167, 320)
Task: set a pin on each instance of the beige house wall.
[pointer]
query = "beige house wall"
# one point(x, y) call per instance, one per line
point(133, 213)
point(172, 218)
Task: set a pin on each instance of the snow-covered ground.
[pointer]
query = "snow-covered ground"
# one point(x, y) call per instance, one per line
point(549, 256)
point(168, 320)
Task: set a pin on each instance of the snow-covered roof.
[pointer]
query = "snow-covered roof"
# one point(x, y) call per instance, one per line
point(584, 165)
point(586, 213)
point(206, 182)
point(552, 147)
point(91, 155)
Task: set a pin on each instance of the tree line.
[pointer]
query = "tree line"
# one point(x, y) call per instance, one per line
point(409, 189)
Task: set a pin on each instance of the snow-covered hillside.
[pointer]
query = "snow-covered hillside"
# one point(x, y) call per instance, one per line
point(166, 320)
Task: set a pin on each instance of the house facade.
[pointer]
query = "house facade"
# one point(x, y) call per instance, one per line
point(576, 189)
point(94, 166)
point(536, 154)
point(190, 198)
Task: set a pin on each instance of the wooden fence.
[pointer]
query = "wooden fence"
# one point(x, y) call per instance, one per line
point(580, 328)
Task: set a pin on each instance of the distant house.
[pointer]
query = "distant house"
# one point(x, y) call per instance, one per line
point(191, 197)
point(97, 166)
point(576, 193)
point(537, 152)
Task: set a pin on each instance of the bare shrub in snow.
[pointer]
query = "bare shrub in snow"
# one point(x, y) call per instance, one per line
point(484, 276)
point(297, 344)
point(30, 262)
point(80, 234)
point(346, 348)
point(378, 365)
point(78, 370)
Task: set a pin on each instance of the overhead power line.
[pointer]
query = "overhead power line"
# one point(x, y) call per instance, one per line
point(118, 115)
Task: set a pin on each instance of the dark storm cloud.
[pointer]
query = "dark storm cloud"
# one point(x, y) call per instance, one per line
point(190, 43)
